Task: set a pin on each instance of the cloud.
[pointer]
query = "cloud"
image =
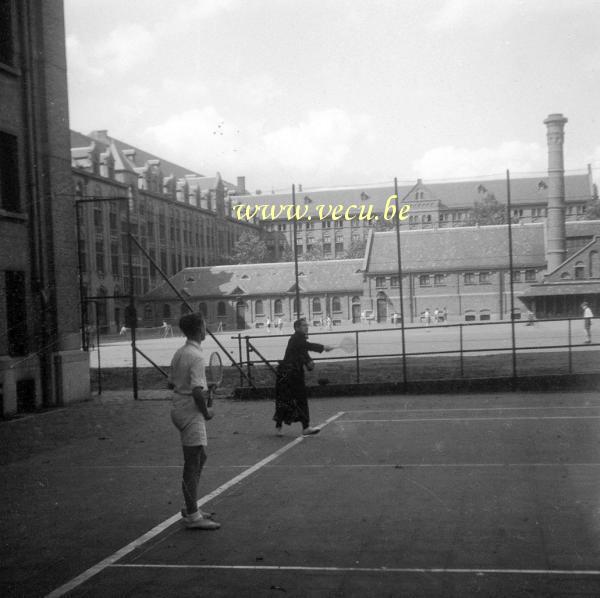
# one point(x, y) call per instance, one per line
point(80, 66)
point(316, 150)
point(126, 46)
point(456, 162)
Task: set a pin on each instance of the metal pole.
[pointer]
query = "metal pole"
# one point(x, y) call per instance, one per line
point(400, 281)
point(132, 314)
point(357, 359)
point(241, 358)
point(82, 302)
point(294, 224)
point(98, 347)
point(462, 365)
point(248, 361)
point(570, 351)
point(510, 274)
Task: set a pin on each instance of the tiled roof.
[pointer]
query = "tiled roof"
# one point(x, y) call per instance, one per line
point(142, 156)
point(457, 248)
point(263, 279)
point(464, 247)
point(455, 194)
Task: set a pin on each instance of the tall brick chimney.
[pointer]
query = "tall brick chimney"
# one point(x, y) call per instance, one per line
point(556, 250)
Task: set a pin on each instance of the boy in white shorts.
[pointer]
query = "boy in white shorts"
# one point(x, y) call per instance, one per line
point(189, 414)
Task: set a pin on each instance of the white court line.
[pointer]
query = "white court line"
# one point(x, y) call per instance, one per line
point(433, 465)
point(161, 527)
point(408, 420)
point(570, 572)
point(452, 409)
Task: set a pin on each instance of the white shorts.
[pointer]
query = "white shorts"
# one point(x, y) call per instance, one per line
point(191, 426)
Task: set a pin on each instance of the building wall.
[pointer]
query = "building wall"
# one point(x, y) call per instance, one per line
point(175, 233)
point(222, 312)
point(39, 317)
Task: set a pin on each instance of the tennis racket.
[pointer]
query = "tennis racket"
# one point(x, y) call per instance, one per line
point(214, 375)
point(347, 345)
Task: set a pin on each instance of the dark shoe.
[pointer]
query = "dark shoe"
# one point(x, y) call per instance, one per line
point(278, 431)
point(310, 431)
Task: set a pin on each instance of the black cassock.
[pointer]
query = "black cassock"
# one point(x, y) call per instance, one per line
point(291, 403)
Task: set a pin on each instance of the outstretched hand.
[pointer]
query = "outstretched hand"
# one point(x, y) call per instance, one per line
point(328, 348)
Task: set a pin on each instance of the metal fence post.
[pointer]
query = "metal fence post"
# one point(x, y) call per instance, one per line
point(240, 358)
point(357, 359)
point(248, 361)
point(462, 366)
point(570, 352)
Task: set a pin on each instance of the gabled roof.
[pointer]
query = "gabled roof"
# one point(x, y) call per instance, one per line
point(469, 247)
point(554, 276)
point(450, 195)
point(263, 280)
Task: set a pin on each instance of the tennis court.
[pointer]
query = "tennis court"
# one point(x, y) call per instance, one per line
point(495, 495)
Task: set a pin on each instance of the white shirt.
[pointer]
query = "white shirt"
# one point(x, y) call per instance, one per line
point(587, 313)
point(187, 372)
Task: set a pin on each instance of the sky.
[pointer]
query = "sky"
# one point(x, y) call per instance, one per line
point(328, 93)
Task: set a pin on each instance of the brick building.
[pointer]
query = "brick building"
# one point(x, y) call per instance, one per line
point(180, 217)
point(40, 360)
point(432, 206)
point(466, 270)
point(246, 295)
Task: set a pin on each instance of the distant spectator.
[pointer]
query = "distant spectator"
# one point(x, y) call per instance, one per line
point(268, 325)
point(587, 321)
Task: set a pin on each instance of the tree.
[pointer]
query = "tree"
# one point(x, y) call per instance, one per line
point(357, 249)
point(487, 210)
point(315, 253)
point(592, 207)
point(250, 249)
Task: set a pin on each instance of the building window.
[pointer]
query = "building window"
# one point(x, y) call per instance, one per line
point(203, 309)
point(439, 280)
point(484, 278)
point(485, 315)
point(380, 282)
point(258, 308)
point(529, 275)
point(16, 316)
point(470, 315)
point(6, 33)
point(516, 276)
point(166, 311)
point(221, 309)
point(9, 171)
point(579, 271)
point(470, 279)
point(278, 306)
point(316, 305)
point(336, 304)
point(394, 281)
point(326, 247)
point(424, 280)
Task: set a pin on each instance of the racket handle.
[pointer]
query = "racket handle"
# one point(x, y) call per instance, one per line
point(210, 397)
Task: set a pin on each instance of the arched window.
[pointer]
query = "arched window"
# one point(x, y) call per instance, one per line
point(203, 309)
point(166, 310)
point(316, 305)
point(221, 308)
point(594, 264)
point(485, 314)
point(355, 300)
point(565, 276)
point(470, 315)
point(336, 304)
point(148, 312)
point(579, 271)
point(258, 308)
point(295, 307)
point(278, 306)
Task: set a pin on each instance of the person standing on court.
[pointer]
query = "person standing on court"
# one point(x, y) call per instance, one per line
point(587, 321)
point(291, 402)
point(190, 413)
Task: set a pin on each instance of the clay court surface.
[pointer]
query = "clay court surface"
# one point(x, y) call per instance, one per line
point(477, 495)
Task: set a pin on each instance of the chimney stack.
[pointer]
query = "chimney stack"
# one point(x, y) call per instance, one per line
point(556, 250)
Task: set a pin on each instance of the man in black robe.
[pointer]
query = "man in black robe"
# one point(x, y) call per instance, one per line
point(291, 404)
